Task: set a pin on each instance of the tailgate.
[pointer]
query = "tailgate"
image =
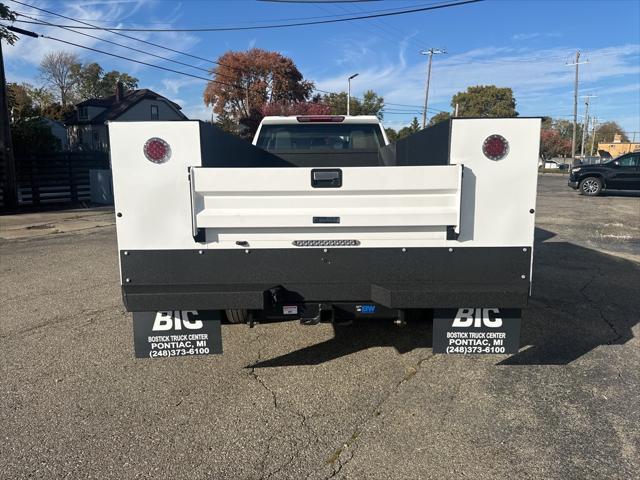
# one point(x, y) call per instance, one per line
point(265, 202)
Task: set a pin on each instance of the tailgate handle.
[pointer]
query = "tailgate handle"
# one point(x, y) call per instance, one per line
point(326, 178)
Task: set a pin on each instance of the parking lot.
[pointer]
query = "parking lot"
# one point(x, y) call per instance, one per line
point(293, 401)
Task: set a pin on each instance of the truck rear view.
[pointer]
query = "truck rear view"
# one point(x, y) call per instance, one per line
point(320, 218)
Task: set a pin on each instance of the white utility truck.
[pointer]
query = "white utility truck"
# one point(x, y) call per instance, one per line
point(321, 218)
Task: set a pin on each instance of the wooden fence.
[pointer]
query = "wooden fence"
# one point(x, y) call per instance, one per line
point(60, 178)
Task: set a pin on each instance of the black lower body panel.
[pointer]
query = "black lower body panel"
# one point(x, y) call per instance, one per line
point(392, 277)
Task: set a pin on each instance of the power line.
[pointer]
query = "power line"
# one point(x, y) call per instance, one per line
point(381, 29)
point(74, 30)
point(398, 111)
point(394, 112)
point(134, 61)
point(118, 21)
point(388, 27)
point(124, 46)
point(117, 33)
point(435, 6)
point(178, 62)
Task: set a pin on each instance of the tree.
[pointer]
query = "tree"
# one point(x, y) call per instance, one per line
point(8, 15)
point(485, 101)
point(392, 135)
point(110, 79)
point(227, 124)
point(55, 111)
point(26, 101)
point(28, 132)
point(86, 80)
point(19, 102)
point(56, 69)
point(244, 82)
point(605, 133)
point(439, 117)
point(91, 81)
point(565, 128)
point(297, 108)
point(410, 130)
point(32, 135)
point(553, 145)
point(22, 94)
point(41, 97)
point(547, 123)
point(371, 104)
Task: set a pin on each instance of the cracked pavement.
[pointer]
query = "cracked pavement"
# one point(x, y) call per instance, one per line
point(287, 401)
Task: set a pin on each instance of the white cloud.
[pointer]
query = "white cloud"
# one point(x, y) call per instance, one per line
point(532, 35)
point(172, 86)
point(28, 52)
point(541, 80)
point(197, 111)
point(630, 88)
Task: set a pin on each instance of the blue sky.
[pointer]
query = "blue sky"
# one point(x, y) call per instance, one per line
point(520, 44)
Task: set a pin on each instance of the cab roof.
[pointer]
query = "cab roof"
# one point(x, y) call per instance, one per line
point(293, 119)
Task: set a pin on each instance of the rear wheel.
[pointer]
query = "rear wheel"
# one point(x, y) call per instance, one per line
point(237, 316)
point(591, 186)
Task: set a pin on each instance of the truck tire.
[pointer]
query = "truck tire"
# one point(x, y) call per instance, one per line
point(591, 186)
point(237, 315)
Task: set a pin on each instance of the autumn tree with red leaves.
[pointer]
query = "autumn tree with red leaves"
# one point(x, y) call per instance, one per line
point(297, 108)
point(245, 83)
point(553, 145)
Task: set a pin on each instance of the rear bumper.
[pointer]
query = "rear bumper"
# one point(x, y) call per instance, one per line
point(414, 278)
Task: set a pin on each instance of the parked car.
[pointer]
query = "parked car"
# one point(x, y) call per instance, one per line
point(622, 173)
point(591, 160)
point(552, 165)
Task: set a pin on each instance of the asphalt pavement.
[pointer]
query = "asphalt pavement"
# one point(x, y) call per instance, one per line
point(287, 401)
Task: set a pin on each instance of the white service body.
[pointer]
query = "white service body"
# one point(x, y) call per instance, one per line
point(484, 202)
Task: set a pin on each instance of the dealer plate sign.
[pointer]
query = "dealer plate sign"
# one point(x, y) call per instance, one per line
point(476, 330)
point(176, 333)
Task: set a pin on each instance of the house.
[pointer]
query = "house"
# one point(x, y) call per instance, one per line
point(87, 125)
point(617, 147)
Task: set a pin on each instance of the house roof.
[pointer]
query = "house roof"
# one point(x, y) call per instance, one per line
point(114, 108)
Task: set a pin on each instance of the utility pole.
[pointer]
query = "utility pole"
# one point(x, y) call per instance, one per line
point(575, 105)
point(431, 52)
point(593, 135)
point(9, 184)
point(585, 125)
point(349, 92)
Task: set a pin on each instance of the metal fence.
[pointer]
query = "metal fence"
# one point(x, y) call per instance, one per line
point(60, 178)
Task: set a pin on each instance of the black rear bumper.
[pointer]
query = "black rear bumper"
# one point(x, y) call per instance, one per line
point(413, 278)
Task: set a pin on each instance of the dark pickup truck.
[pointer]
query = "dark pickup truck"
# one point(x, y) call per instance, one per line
point(622, 173)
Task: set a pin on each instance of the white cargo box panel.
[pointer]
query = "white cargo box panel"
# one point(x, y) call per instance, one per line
point(284, 199)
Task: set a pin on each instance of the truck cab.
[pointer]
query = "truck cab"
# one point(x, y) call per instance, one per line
point(320, 132)
point(323, 140)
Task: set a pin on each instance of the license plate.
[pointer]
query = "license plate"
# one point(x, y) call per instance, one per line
point(476, 330)
point(290, 310)
point(176, 333)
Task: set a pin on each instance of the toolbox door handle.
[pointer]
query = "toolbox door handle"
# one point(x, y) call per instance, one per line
point(326, 178)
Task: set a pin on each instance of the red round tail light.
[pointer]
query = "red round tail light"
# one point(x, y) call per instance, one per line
point(157, 150)
point(495, 147)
